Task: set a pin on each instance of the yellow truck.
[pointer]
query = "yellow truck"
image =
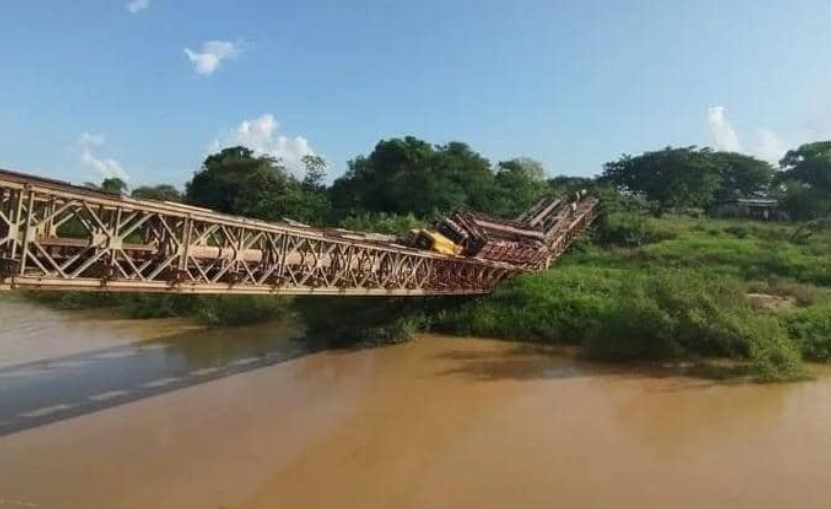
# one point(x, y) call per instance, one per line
point(433, 241)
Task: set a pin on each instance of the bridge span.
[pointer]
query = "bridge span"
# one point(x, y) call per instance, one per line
point(57, 236)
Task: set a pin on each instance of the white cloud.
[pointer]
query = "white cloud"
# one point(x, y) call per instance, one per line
point(771, 146)
point(107, 168)
point(260, 135)
point(138, 5)
point(211, 56)
point(721, 132)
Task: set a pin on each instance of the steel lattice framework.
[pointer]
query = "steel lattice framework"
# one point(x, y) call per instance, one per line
point(56, 236)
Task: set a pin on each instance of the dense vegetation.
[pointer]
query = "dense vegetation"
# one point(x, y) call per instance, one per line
point(657, 279)
point(675, 288)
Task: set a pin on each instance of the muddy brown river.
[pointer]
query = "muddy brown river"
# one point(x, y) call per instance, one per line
point(109, 413)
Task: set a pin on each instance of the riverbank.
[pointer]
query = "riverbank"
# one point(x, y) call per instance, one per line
point(638, 288)
point(676, 288)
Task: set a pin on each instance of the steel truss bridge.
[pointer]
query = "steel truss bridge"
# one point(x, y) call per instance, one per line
point(56, 236)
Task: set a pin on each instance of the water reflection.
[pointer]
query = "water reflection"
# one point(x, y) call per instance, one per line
point(513, 362)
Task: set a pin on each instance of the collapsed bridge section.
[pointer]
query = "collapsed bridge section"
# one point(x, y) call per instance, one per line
point(56, 236)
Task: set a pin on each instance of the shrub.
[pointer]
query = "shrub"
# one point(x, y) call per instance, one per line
point(240, 309)
point(362, 321)
point(555, 306)
point(811, 329)
point(636, 329)
point(630, 315)
point(774, 357)
point(631, 230)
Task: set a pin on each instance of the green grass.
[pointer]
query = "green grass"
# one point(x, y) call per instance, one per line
point(642, 288)
point(744, 250)
point(810, 328)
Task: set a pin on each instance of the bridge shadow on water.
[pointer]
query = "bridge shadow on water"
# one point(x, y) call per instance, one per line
point(46, 391)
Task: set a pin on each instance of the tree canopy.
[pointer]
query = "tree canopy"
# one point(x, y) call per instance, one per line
point(671, 179)
point(742, 175)
point(236, 181)
point(109, 185)
point(411, 176)
point(805, 181)
point(809, 164)
point(408, 175)
point(405, 181)
point(689, 177)
point(517, 185)
point(162, 192)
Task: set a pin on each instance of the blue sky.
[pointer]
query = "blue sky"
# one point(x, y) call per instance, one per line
point(91, 87)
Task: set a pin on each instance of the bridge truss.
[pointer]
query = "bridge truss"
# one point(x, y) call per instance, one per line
point(55, 236)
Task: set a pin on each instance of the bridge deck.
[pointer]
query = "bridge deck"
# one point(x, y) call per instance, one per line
point(57, 236)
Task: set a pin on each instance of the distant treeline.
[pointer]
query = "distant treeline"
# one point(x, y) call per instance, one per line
point(407, 180)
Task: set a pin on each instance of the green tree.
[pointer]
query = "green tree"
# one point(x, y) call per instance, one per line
point(809, 164)
point(408, 175)
point(161, 192)
point(313, 205)
point(459, 177)
point(518, 184)
point(114, 185)
point(315, 167)
point(805, 181)
point(742, 175)
point(236, 181)
point(109, 185)
point(670, 179)
point(802, 202)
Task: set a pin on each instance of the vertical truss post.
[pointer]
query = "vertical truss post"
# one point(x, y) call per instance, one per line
point(27, 226)
point(185, 246)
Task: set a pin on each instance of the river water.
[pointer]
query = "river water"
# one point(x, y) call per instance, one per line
point(107, 413)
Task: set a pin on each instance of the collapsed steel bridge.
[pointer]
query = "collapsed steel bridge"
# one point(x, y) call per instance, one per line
point(57, 236)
